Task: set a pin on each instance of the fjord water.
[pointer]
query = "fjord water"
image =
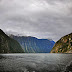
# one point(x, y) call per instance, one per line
point(45, 62)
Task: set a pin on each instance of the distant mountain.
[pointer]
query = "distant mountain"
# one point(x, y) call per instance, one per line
point(9, 45)
point(34, 45)
point(64, 45)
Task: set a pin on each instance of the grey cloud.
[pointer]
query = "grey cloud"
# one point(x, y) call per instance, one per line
point(39, 18)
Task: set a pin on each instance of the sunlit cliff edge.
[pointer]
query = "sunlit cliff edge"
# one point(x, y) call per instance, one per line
point(64, 45)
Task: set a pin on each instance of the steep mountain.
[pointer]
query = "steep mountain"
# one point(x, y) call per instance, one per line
point(64, 45)
point(34, 45)
point(9, 45)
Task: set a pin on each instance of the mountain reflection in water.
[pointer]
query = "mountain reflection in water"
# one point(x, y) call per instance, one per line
point(36, 62)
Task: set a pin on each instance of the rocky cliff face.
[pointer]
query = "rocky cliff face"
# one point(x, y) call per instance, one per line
point(34, 45)
point(9, 45)
point(64, 45)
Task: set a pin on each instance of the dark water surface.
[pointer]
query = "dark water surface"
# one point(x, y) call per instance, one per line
point(36, 62)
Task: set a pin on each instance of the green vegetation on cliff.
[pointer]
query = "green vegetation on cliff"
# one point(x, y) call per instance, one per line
point(64, 45)
point(9, 45)
point(33, 44)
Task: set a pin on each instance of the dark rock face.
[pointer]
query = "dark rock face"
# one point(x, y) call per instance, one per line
point(8, 45)
point(34, 45)
point(64, 45)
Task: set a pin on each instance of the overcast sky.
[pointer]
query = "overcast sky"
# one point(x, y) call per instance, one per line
point(40, 18)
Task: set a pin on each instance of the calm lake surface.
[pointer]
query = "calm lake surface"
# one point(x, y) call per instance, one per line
point(36, 62)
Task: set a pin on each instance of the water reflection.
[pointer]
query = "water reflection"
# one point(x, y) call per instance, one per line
point(35, 62)
point(69, 67)
point(1, 57)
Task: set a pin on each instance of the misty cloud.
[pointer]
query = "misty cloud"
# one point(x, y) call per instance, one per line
point(39, 18)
